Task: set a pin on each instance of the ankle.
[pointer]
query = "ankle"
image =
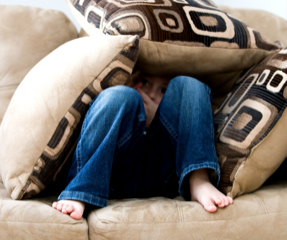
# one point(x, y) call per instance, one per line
point(199, 175)
point(198, 179)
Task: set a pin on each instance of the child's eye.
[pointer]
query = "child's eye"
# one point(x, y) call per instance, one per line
point(143, 81)
point(163, 90)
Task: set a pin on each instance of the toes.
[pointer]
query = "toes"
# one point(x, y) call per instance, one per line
point(224, 202)
point(219, 201)
point(59, 206)
point(230, 200)
point(227, 201)
point(54, 205)
point(74, 208)
point(64, 208)
point(67, 208)
point(209, 205)
point(76, 215)
point(211, 208)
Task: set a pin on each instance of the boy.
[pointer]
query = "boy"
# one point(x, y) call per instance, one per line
point(154, 138)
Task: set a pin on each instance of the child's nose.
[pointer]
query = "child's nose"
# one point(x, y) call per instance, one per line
point(152, 94)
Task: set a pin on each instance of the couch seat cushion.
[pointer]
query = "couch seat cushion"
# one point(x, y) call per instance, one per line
point(259, 215)
point(36, 219)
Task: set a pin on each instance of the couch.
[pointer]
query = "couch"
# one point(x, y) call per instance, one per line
point(30, 35)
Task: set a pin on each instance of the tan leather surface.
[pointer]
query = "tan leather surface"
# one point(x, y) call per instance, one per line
point(270, 25)
point(27, 35)
point(36, 219)
point(259, 215)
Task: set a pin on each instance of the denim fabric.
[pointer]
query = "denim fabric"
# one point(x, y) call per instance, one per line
point(116, 158)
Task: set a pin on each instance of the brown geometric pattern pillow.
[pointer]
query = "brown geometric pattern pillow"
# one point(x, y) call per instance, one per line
point(189, 23)
point(179, 37)
point(42, 123)
point(251, 127)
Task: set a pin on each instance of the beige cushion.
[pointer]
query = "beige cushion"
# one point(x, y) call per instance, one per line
point(251, 122)
point(43, 120)
point(26, 36)
point(260, 215)
point(267, 23)
point(179, 37)
point(36, 219)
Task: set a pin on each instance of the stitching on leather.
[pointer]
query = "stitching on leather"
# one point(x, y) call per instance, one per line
point(179, 210)
point(261, 203)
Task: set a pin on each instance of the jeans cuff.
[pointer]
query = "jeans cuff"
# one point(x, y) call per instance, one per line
point(184, 189)
point(83, 197)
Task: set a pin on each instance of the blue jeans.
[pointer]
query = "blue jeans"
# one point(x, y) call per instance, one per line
point(116, 158)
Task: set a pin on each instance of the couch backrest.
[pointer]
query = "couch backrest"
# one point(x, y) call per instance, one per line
point(26, 36)
point(269, 24)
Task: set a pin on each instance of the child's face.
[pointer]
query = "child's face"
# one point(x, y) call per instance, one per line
point(152, 85)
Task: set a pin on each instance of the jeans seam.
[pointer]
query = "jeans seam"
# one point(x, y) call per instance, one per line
point(193, 167)
point(212, 124)
point(124, 139)
point(169, 128)
point(127, 136)
point(79, 158)
point(213, 140)
point(78, 150)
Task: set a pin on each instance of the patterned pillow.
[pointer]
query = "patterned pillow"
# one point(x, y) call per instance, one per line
point(179, 37)
point(251, 127)
point(43, 120)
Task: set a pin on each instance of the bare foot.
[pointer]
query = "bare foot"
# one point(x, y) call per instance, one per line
point(205, 193)
point(74, 208)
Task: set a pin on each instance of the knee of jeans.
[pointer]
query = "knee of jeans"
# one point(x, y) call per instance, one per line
point(119, 95)
point(192, 85)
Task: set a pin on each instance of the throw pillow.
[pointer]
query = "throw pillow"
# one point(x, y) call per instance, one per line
point(251, 127)
point(179, 37)
point(43, 120)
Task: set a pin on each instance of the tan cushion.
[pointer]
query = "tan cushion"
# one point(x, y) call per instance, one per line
point(26, 36)
point(36, 219)
point(43, 120)
point(251, 122)
point(179, 38)
point(270, 25)
point(260, 215)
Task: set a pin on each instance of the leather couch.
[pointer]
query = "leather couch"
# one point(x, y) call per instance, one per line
point(261, 214)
